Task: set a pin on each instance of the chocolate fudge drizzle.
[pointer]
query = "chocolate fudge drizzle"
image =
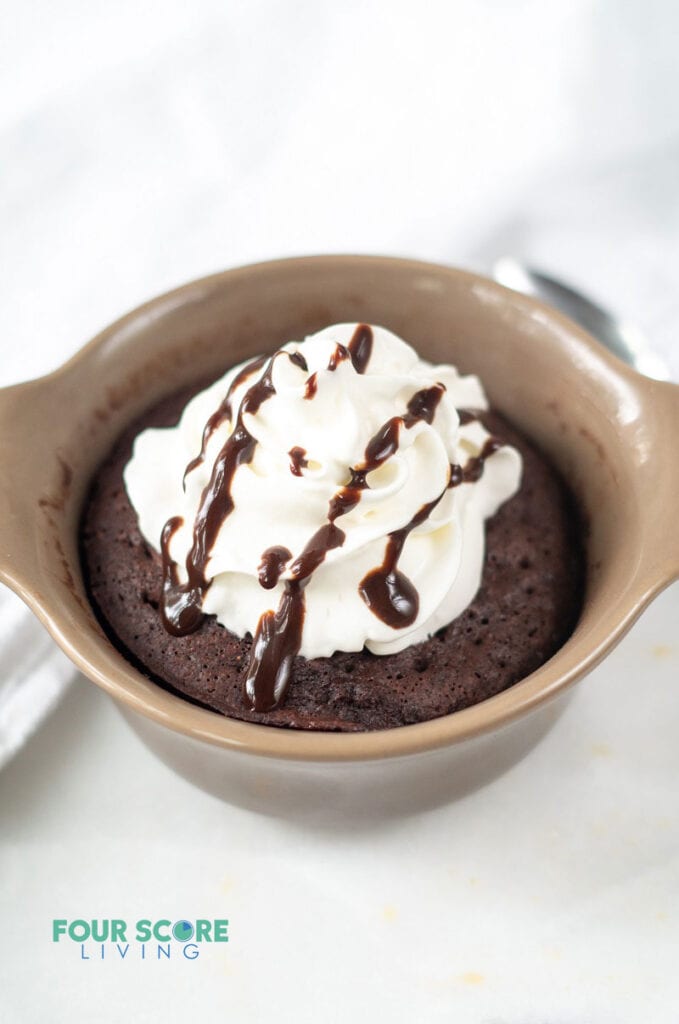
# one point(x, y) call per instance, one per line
point(298, 460)
point(272, 564)
point(177, 604)
point(278, 637)
point(384, 444)
point(474, 466)
point(311, 386)
point(386, 590)
point(339, 355)
point(361, 347)
point(181, 603)
point(358, 351)
point(224, 412)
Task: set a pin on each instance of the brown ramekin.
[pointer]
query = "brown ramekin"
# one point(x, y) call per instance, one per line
point(611, 432)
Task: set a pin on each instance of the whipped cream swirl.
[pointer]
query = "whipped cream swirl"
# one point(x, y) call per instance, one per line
point(329, 497)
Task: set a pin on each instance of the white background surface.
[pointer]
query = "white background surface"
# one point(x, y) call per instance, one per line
point(145, 144)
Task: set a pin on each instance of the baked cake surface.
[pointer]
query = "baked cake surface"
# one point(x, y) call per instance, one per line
point(525, 609)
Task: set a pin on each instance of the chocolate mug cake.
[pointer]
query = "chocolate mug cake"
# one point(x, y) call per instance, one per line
point(302, 544)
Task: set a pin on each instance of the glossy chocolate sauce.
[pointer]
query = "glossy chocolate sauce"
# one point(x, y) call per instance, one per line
point(178, 604)
point(311, 387)
point(274, 648)
point(473, 468)
point(361, 347)
point(224, 412)
point(340, 354)
point(386, 590)
point(384, 444)
point(358, 350)
point(274, 561)
point(181, 603)
point(298, 460)
point(279, 633)
point(278, 637)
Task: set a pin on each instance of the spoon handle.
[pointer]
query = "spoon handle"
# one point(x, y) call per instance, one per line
point(622, 339)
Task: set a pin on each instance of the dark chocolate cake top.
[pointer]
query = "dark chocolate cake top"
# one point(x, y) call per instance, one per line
point(524, 609)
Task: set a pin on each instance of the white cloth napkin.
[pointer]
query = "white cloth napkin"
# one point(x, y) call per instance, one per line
point(35, 674)
point(138, 152)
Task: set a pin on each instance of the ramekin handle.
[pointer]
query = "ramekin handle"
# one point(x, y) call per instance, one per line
point(23, 425)
point(663, 484)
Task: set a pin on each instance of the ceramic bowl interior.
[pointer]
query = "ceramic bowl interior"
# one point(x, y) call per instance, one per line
point(607, 430)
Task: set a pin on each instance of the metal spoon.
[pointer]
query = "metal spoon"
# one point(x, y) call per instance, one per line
point(624, 340)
